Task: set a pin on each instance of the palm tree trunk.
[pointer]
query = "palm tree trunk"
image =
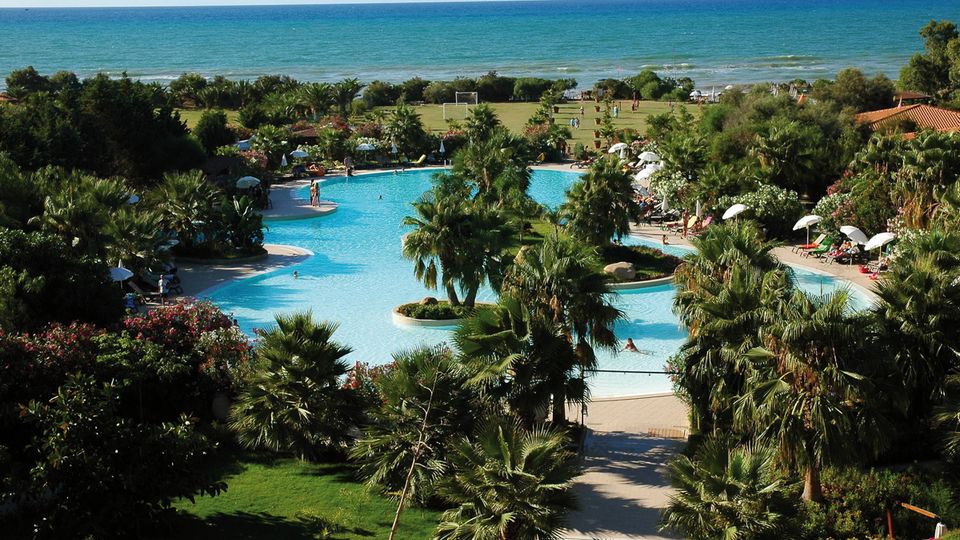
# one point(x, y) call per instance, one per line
point(812, 489)
point(471, 299)
point(452, 295)
point(559, 407)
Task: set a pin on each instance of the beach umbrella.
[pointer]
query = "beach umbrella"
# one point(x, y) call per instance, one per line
point(283, 160)
point(699, 211)
point(442, 149)
point(664, 206)
point(365, 147)
point(393, 148)
point(248, 182)
point(805, 222)
point(854, 234)
point(649, 156)
point(617, 148)
point(120, 274)
point(735, 210)
point(243, 145)
point(299, 154)
point(133, 199)
point(879, 240)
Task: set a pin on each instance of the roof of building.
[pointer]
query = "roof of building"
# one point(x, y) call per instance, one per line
point(924, 116)
point(909, 94)
point(7, 98)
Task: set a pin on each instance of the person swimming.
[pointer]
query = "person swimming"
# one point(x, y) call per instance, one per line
point(630, 347)
point(296, 275)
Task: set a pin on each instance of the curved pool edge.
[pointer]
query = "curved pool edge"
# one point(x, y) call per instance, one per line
point(631, 285)
point(295, 251)
point(401, 319)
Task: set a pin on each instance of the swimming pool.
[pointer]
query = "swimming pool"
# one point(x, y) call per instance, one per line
point(358, 275)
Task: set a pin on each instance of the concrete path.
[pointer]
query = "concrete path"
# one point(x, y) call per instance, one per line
point(624, 485)
point(287, 204)
point(203, 278)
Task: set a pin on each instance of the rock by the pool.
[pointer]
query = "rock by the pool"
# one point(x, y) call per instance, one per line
point(621, 270)
point(428, 301)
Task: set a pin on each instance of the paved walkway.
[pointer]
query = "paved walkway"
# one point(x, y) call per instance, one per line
point(200, 278)
point(286, 204)
point(624, 485)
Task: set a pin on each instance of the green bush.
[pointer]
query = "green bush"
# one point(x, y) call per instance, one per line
point(856, 503)
point(212, 131)
point(776, 208)
point(650, 263)
point(439, 311)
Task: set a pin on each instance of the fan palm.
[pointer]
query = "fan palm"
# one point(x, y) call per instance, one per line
point(558, 281)
point(292, 400)
point(344, 92)
point(727, 493)
point(424, 406)
point(481, 122)
point(186, 202)
point(317, 97)
point(601, 204)
point(508, 483)
point(809, 390)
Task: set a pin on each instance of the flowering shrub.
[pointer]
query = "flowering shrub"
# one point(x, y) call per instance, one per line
point(776, 208)
point(669, 185)
point(370, 130)
point(363, 380)
point(836, 209)
point(254, 158)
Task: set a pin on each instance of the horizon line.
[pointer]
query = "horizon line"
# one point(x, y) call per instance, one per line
point(254, 3)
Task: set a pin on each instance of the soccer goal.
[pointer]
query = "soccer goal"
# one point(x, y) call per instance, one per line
point(461, 104)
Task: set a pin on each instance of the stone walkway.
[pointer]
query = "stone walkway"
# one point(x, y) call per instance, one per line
point(286, 204)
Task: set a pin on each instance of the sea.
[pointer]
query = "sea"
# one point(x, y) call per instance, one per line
point(715, 42)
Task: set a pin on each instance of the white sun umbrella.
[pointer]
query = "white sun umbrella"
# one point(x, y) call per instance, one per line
point(119, 273)
point(283, 160)
point(649, 156)
point(805, 222)
point(854, 234)
point(133, 199)
point(248, 182)
point(617, 148)
point(299, 154)
point(699, 211)
point(664, 206)
point(735, 211)
point(365, 147)
point(443, 150)
point(879, 240)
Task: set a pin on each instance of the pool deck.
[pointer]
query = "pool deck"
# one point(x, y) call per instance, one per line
point(285, 204)
point(201, 279)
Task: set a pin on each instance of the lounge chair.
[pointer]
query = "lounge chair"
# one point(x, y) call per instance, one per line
point(812, 245)
point(820, 250)
point(144, 295)
point(582, 164)
point(419, 162)
point(316, 170)
point(678, 228)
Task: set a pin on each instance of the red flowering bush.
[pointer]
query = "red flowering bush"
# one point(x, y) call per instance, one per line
point(363, 379)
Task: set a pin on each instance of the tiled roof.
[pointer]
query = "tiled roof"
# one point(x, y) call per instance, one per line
point(924, 116)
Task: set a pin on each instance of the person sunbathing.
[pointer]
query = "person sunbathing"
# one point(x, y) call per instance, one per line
point(630, 347)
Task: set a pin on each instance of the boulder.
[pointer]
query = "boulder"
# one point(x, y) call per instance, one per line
point(428, 301)
point(623, 271)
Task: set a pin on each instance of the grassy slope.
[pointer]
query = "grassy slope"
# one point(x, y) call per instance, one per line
point(515, 115)
point(281, 499)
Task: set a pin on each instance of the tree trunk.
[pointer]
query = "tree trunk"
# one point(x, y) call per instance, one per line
point(812, 490)
point(452, 295)
point(471, 298)
point(559, 407)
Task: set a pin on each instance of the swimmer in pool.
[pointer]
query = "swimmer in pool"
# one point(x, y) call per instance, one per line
point(630, 347)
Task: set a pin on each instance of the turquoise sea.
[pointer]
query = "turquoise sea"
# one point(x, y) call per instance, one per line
point(715, 42)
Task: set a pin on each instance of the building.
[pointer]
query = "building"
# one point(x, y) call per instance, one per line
point(911, 118)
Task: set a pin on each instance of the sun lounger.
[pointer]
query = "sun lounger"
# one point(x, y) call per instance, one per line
point(419, 162)
point(820, 250)
point(812, 245)
point(698, 230)
point(316, 170)
point(582, 164)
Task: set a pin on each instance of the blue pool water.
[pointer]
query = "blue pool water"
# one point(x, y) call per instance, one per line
point(357, 276)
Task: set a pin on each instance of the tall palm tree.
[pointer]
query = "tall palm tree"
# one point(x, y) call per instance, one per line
point(405, 129)
point(317, 97)
point(133, 240)
point(498, 172)
point(727, 492)
point(601, 204)
point(508, 483)
point(559, 282)
point(435, 241)
point(292, 400)
point(810, 392)
point(344, 92)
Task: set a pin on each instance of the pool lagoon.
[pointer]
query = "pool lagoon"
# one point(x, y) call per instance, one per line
point(357, 275)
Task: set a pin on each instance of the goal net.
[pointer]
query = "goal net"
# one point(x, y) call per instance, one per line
point(461, 104)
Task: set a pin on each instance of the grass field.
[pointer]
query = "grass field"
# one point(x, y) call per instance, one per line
point(282, 499)
point(515, 115)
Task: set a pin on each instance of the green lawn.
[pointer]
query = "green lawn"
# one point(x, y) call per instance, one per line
point(514, 116)
point(280, 499)
point(192, 116)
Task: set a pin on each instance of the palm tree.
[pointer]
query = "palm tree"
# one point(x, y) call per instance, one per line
point(186, 202)
point(292, 400)
point(786, 153)
point(242, 224)
point(499, 174)
point(405, 129)
point(512, 356)
point(919, 309)
point(344, 92)
point(559, 282)
point(809, 388)
point(601, 204)
point(435, 242)
point(481, 122)
point(133, 240)
point(424, 406)
point(508, 483)
point(727, 493)
point(317, 97)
